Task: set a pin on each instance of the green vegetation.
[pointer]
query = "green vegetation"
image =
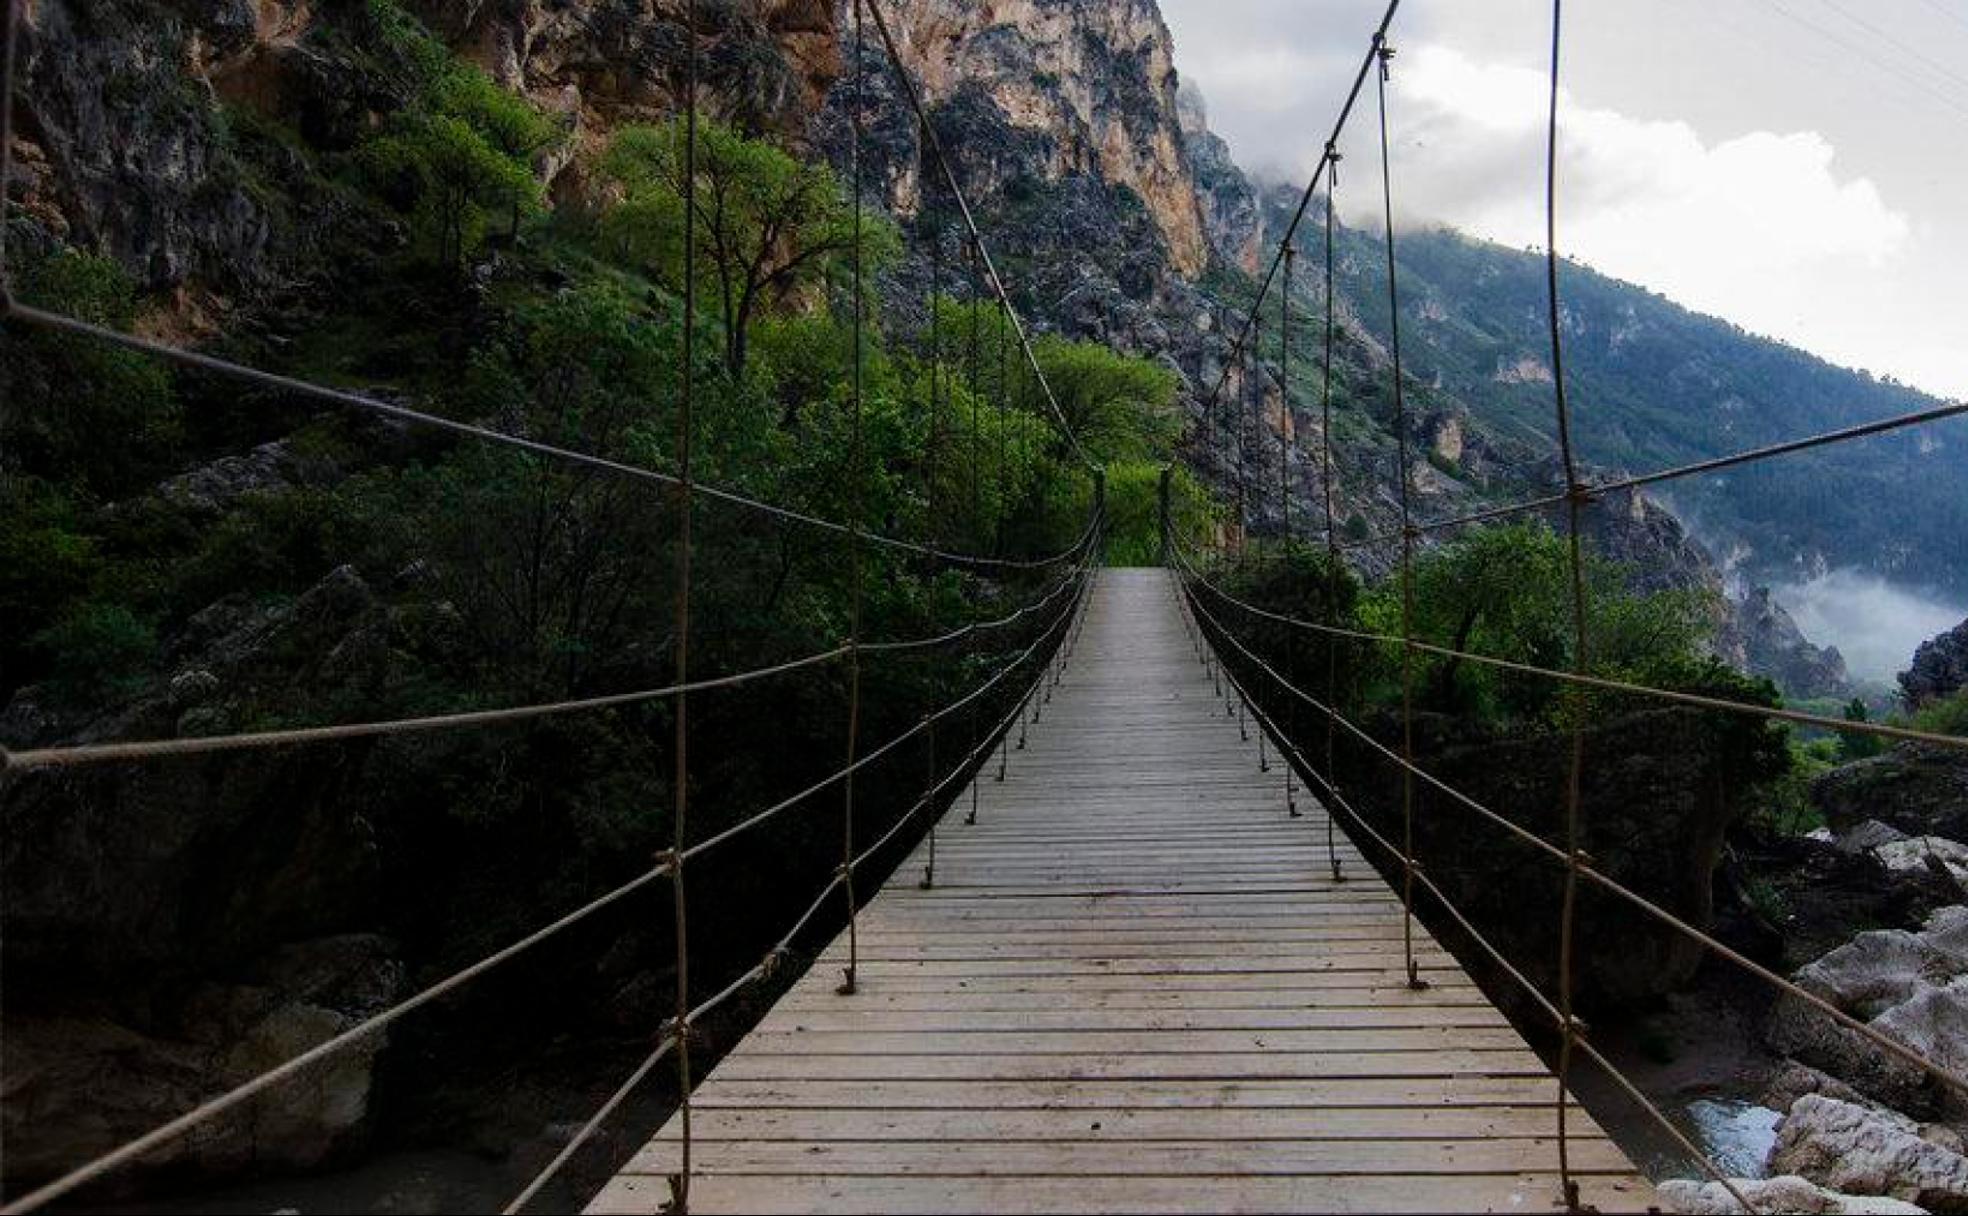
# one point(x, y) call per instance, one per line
point(772, 226)
point(460, 154)
point(1668, 386)
point(1945, 715)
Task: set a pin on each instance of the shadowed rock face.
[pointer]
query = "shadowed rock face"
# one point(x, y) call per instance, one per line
point(1940, 667)
point(1920, 790)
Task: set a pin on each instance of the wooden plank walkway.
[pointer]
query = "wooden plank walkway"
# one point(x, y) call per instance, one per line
point(1134, 988)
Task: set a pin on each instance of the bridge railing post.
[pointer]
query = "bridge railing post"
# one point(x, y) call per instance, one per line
point(1162, 510)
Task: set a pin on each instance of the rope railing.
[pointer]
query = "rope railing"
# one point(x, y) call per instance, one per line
point(1592, 488)
point(81, 755)
point(680, 481)
point(775, 956)
point(1587, 871)
point(14, 309)
point(1579, 868)
point(667, 866)
point(1883, 730)
point(1408, 864)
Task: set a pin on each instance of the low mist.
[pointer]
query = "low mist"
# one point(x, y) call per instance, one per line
point(1875, 624)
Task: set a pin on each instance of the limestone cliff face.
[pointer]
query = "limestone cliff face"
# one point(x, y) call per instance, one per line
point(1232, 213)
point(134, 132)
point(1093, 85)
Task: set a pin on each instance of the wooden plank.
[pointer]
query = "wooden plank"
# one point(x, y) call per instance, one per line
point(1241, 1158)
point(1148, 1196)
point(1137, 987)
point(1104, 1124)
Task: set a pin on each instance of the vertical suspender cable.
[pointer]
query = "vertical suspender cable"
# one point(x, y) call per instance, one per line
point(929, 460)
point(1574, 503)
point(854, 538)
point(1243, 456)
point(1284, 400)
point(1386, 54)
point(1332, 573)
point(1004, 388)
point(680, 797)
point(973, 354)
point(9, 39)
point(1284, 504)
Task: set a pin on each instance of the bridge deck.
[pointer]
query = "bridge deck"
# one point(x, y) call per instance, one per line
point(1134, 988)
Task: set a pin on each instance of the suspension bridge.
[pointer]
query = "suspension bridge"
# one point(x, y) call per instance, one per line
point(1133, 985)
point(1142, 953)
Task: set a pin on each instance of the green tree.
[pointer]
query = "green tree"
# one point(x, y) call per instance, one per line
point(1858, 744)
point(460, 153)
point(1506, 592)
point(1120, 407)
point(767, 225)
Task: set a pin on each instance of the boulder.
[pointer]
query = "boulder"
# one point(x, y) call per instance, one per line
point(1794, 1080)
point(1935, 1024)
point(80, 1086)
point(1940, 667)
point(1868, 836)
point(1917, 853)
point(1910, 986)
point(1784, 1194)
point(1919, 789)
point(1858, 1149)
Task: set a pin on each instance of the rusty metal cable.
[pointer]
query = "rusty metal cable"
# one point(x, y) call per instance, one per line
point(27, 314)
point(152, 749)
point(1568, 1029)
point(587, 1130)
point(1600, 487)
point(1326, 474)
point(212, 1108)
point(1333, 798)
point(1589, 873)
point(679, 1032)
point(765, 968)
point(856, 499)
point(1386, 55)
point(1881, 730)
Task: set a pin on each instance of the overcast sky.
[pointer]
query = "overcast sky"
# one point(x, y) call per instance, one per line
point(1799, 167)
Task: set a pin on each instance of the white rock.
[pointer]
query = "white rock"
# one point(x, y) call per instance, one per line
point(1860, 1150)
point(1910, 856)
point(1786, 1194)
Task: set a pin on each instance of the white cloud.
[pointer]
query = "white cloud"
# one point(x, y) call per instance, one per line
point(1749, 227)
point(1725, 157)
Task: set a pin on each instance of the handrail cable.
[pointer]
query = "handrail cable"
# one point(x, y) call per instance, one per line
point(213, 1107)
point(1883, 730)
point(1878, 1038)
point(12, 309)
point(1333, 797)
point(770, 964)
point(1600, 487)
point(150, 749)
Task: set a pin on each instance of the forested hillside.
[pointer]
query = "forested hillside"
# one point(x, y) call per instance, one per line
point(1657, 386)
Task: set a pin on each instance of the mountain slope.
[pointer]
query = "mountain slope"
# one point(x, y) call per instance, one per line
point(1655, 385)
